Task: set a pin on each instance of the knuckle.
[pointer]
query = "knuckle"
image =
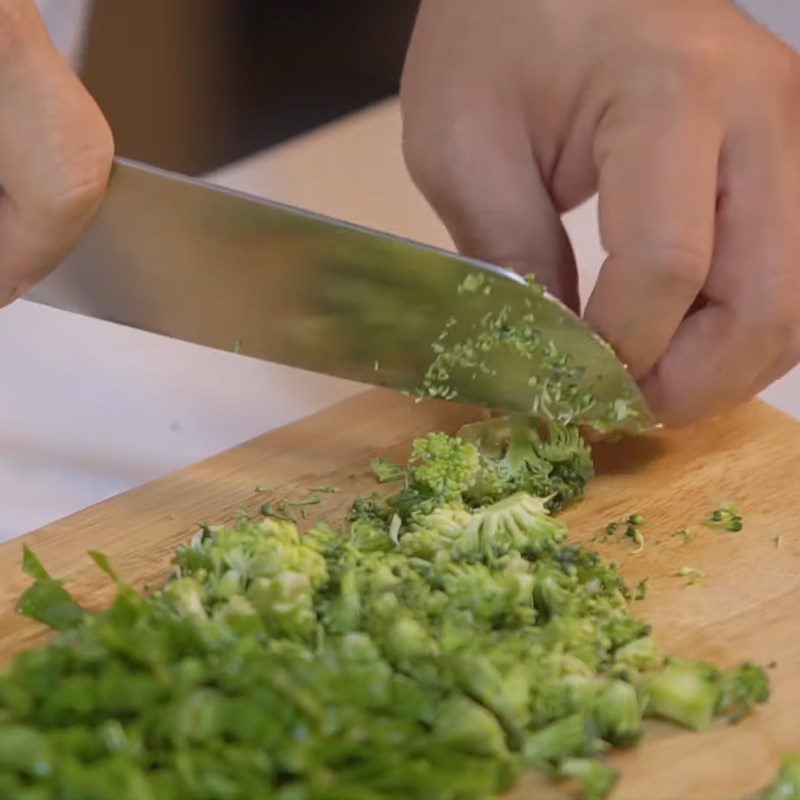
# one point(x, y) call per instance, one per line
point(440, 147)
point(786, 68)
point(704, 55)
point(15, 31)
point(425, 157)
point(413, 147)
point(786, 332)
point(679, 269)
point(79, 181)
point(689, 70)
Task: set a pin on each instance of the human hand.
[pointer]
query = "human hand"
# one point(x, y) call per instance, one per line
point(684, 114)
point(55, 151)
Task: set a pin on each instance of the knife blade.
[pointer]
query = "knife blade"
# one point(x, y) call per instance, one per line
point(181, 257)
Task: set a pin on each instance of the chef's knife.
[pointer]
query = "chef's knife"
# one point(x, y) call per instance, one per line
point(183, 258)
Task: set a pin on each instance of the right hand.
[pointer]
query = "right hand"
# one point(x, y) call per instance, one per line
point(55, 152)
point(683, 115)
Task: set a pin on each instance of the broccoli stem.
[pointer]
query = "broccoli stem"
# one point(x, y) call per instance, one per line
point(686, 692)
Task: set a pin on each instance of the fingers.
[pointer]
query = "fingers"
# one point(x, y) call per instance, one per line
point(748, 334)
point(478, 173)
point(55, 152)
point(657, 181)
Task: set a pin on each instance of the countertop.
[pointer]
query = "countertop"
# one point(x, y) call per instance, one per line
point(90, 409)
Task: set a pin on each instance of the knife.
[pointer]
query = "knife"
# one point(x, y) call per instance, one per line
point(184, 258)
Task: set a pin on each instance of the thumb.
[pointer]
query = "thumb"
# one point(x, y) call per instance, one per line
point(481, 179)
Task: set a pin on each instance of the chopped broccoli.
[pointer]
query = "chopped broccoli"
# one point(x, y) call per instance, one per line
point(686, 692)
point(787, 782)
point(568, 737)
point(515, 457)
point(596, 778)
point(477, 350)
point(387, 471)
point(519, 522)
point(640, 654)
point(435, 644)
point(692, 575)
point(440, 470)
point(725, 518)
point(467, 725)
point(743, 688)
point(443, 466)
point(617, 712)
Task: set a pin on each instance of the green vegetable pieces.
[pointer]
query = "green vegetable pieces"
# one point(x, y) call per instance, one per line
point(787, 782)
point(437, 643)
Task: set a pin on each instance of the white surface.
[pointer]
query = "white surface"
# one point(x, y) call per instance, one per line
point(90, 409)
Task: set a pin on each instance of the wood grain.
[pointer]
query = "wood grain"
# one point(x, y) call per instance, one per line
point(748, 607)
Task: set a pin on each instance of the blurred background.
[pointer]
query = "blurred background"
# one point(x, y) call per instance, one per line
point(190, 85)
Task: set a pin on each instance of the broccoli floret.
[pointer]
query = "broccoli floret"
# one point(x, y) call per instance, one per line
point(692, 692)
point(787, 782)
point(443, 466)
point(617, 712)
point(324, 539)
point(519, 522)
point(640, 654)
point(514, 457)
point(370, 508)
point(185, 597)
point(686, 692)
point(569, 737)
point(596, 778)
point(440, 470)
point(285, 604)
point(742, 688)
point(370, 536)
point(467, 726)
point(501, 598)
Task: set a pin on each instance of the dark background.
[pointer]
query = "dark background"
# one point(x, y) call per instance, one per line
point(193, 84)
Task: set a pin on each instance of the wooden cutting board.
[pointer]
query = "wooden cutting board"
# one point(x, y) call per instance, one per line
point(748, 607)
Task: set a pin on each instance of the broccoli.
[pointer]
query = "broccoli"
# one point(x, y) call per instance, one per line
point(687, 692)
point(787, 782)
point(387, 471)
point(595, 777)
point(617, 713)
point(468, 726)
point(742, 688)
point(639, 654)
point(519, 522)
point(475, 351)
point(515, 457)
point(429, 646)
point(568, 737)
point(725, 518)
point(440, 470)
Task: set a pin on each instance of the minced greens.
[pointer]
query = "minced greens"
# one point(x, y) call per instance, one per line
point(432, 646)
